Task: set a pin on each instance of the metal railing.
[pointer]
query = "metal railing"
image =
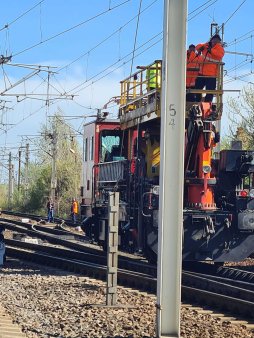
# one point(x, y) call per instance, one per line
point(143, 88)
point(140, 88)
point(110, 172)
point(217, 92)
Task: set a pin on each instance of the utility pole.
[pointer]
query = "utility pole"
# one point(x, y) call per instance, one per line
point(53, 172)
point(26, 170)
point(19, 170)
point(171, 169)
point(11, 180)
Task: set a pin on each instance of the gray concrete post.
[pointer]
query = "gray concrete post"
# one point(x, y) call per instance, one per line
point(112, 248)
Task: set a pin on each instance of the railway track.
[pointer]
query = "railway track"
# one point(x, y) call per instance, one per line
point(37, 218)
point(77, 248)
point(223, 288)
point(196, 288)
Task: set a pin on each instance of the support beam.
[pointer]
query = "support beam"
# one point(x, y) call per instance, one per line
point(171, 169)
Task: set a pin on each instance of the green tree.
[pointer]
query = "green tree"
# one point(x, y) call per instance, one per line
point(68, 160)
point(241, 115)
point(3, 196)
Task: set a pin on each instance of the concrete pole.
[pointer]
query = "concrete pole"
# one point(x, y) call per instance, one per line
point(171, 169)
point(112, 248)
point(12, 182)
point(19, 170)
point(53, 173)
point(26, 170)
point(83, 165)
point(9, 181)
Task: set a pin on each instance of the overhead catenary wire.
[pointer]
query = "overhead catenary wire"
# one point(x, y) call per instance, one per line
point(240, 78)
point(71, 28)
point(21, 16)
point(108, 37)
point(93, 82)
point(241, 38)
point(124, 63)
point(208, 5)
point(238, 66)
point(136, 35)
point(114, 63)
point(230, 17)
point(24, 118)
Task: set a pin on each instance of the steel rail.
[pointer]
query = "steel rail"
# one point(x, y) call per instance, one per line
point(194, 288)
point(78, 249)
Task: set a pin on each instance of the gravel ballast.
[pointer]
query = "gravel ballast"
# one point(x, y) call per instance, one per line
point(49, 303)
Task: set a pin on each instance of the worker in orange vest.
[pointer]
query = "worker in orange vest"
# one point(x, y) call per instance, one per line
point(74, 210)
point(193, 61)
point(212, 54)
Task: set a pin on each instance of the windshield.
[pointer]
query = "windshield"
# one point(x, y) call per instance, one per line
point(110, 146)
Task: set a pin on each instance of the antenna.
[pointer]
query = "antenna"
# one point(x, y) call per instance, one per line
point(214, 29)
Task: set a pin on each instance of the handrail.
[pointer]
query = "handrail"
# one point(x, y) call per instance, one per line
point(138, 88)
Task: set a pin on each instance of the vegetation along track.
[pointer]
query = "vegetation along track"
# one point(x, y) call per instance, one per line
point(227, 289)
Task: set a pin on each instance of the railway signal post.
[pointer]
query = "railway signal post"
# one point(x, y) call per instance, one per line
point(112, 249)
point(171, 169)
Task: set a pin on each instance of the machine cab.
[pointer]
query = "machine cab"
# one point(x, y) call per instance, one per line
point(102, 143)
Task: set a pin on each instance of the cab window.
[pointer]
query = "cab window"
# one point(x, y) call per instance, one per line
point(110, 149)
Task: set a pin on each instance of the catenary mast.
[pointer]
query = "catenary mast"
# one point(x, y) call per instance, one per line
point(171, 169)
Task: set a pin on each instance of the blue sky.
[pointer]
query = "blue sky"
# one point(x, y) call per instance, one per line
point(33, 25)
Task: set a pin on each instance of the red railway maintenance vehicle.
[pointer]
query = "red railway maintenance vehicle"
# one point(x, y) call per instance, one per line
point(124, 155)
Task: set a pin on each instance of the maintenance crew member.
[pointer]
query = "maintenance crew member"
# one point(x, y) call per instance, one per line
point(74, 210)
point(50, 209)
point(212, 54)
point(193, 61)
point(153, 76)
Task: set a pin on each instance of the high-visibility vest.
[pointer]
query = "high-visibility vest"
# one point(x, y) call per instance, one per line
point(192, 62)
point(153, 76)
point(75, 207)
point(210, 59)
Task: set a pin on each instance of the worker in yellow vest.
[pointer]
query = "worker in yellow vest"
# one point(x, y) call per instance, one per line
point(153, 76)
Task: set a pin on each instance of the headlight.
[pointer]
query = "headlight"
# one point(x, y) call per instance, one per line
point(207, 169)
point(156, 190)
point(251, 193)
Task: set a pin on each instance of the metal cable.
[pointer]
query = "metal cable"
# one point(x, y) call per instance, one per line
point(19, 17)
point(202, 10)
point(136, 34)
point(233, 13)
point(71, 28)
point(108, 37)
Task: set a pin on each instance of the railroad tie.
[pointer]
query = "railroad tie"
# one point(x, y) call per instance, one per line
point(7, 328)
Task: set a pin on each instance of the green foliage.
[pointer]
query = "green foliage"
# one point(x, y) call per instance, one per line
point(39, 188)
point(68, 171)
point(3, 196)
point(225, 143)
point(241, 115)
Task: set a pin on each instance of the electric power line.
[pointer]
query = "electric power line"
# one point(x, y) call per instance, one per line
point(113, 64)
point(71, 28)
point(230, 17)
point(108, 37)
point(136, 34)
point(19, 17)
point(203, 9)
